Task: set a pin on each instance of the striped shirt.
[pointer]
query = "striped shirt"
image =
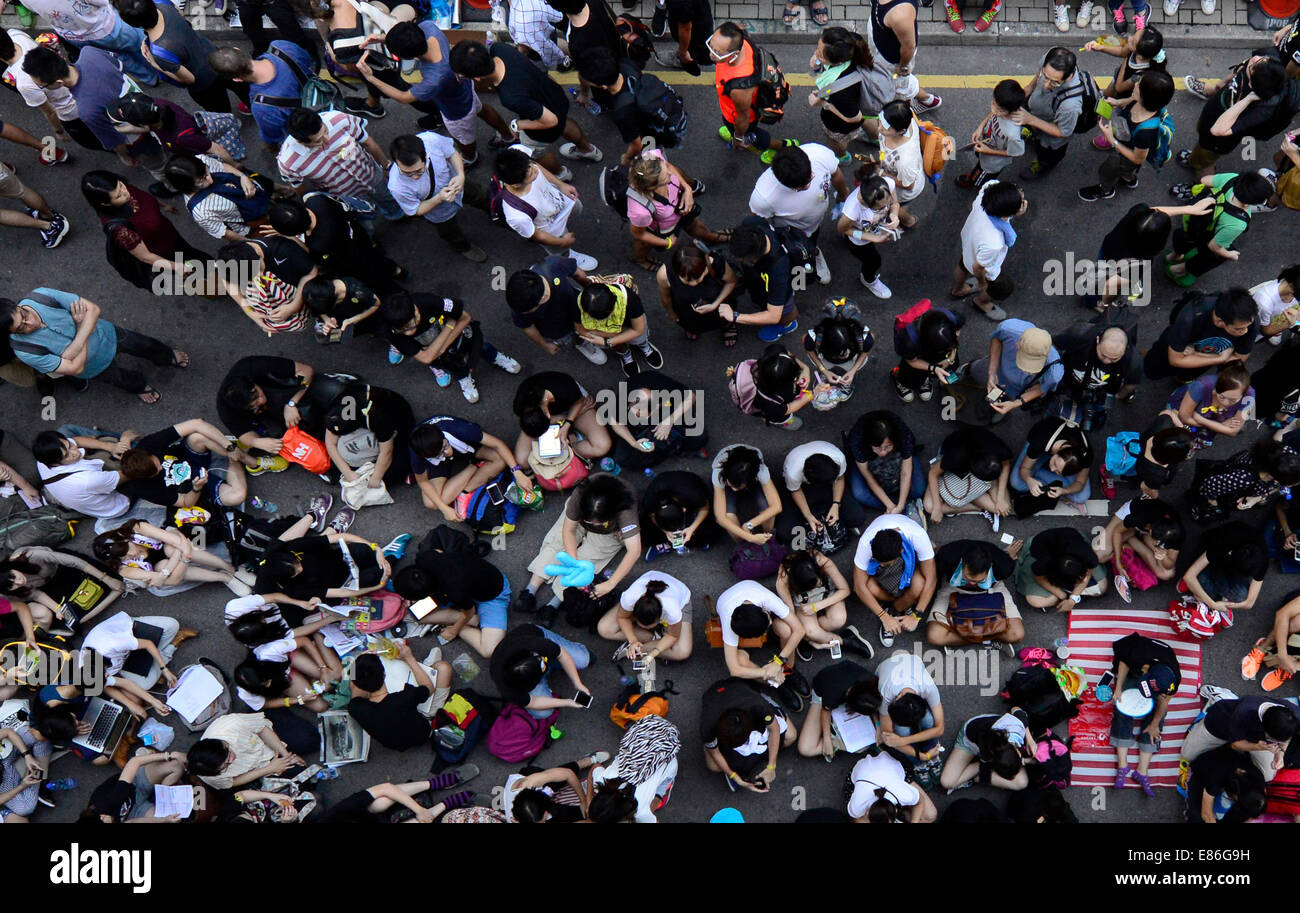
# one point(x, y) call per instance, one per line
point(341, 165)
point(214, 213)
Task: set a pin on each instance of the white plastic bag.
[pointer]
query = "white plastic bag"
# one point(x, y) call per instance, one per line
point(358, 493)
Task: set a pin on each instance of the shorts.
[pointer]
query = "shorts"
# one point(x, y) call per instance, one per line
point(1028, 586)
point(463, 130)
point(1202, 158)
point(939, 612)
point(1124, 732)
point(999, 289)
point(10, 186)
point(492, 614)
point(762, 139)
point(966, 744)
point(535, 146)
point(841, 139)
point(960, 491)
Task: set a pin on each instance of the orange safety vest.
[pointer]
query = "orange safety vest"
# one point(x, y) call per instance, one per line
point(723, 73)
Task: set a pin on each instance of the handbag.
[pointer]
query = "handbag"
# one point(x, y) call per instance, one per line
point(358, 493)
point(976, 617)
point(297, 446)
point(754, 562)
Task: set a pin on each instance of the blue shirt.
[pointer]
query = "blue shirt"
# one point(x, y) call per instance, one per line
point(1011, 378)
point(272, 120)
point(58, 333)
point(99, 84)
point(453, 95)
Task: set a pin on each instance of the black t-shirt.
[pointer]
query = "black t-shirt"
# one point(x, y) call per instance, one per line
point(555, 318)
point(385, 412)
point(394, 722)
point(560, 385)
point(526, 91)
point(1042, 432)
point(729, 694)
point(1195, 327)
point(768, 280)
point(354, 809)
point(1136, 651)
point(833, 682)
point(323, 567)
point(1120, 242)
point(1222, 541)
point(114, 797)
point(461, 580)
point(694, 493)
point(655, 382)
point(278, 379)
point(960, 447)
point(1143, 512)
point(855, 441)
point(180, 467)
point(338, 243)
point(1210, 775)
point(286, 259)
point(1051, 545)
point(1239, 719)
point(696, 12)
point(520, 641)
point(434, 314)
point(598, 31)
point(1148, 471)
point(1084, 371)
point(622, 107)
point(847, 101)
point(948, 558)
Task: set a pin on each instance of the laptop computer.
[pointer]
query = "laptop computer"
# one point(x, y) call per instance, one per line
point(108, 721)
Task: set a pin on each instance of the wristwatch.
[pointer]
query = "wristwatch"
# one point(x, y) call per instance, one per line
point(1076, 598)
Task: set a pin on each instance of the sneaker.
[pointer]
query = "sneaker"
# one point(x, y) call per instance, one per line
point(954, 17)
point(60, 157)
point(653, 552)
point(927, 388)
point(343, 520)
point(1171, 8)
point(1207, 7)
point(1252, 661)
point(1212, 694)
point(1061, 16)
point(524, 603)
point(430, 122)
point(876, 287)
point(886, 639)
point(1184, 156)
point(920, 107)
point(468, 390)
point(267, 464)
point(1275, 679)
point(462, 773)
point(804, 651)
point(653, 358)
point(628, 364)
point(395, 357)
point(986, 18)
point(994, 520)
point(1200, 89)
point(1123, 589)
point(1182, 192)
point(1033, 172)
point(789, 698)
point(659, 22)
point(823, 268)
point(1139, 22)
point(396, 548)
point(319, 508)
point(906, 394)
point(725, 134)
point(793, 423)
point(441, 377)
point(506, 363)
point(775, 331)
point(592, 353)
point(586, 262)
point(1094, 193)
point(620, 652)
point(53, 236)
point(1129, 183)
point(571, 151)
point(698, 187)
point(565, 173)
point(1084, 17)
point(796, 680)
point(855, 641)
point(1120, 24)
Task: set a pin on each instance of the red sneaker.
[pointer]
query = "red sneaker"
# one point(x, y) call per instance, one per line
point(954, 17)
point(1107, 483)
point(986, 19)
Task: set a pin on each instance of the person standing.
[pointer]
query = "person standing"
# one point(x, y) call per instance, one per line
point(736, 78)
point(894, 33)
point(334, 152)
point(1052, 111)
point(95, 23)
point(796, 193)
point(427, 179)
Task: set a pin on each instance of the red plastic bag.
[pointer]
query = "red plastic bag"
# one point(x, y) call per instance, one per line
point(301, 448)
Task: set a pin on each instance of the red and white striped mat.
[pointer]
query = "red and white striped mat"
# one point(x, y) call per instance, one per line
point(1091, 634)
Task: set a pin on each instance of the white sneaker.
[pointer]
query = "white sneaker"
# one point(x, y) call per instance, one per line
point(598, 357)
point(571, 151)
point(1207, 6)
point(586, 263)
point(876, 287)
point(1171, 8)
point(238, 587)
point(1083, 19)
point(468, 389)
point(564, 174)
point(506, 363)
point(1061, 17)
point(823, 268)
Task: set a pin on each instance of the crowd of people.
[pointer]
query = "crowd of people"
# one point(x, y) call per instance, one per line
point(302, 248)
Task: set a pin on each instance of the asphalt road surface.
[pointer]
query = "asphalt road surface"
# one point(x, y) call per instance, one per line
point(1056, 225)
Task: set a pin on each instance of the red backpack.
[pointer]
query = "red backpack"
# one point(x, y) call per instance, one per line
point(905, 329)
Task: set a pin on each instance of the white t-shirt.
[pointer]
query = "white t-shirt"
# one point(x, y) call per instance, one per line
point(112, 639)
point(87, 488)
point(741, 593)
point(764, 475)
point(881, 772)
point(795, 459)
point(981, 242)
point(672, 599)
point(80, 20)
point(242, 605)
point(277, 651)
point(909, 528)
point(759, 738)
point(802, 209)
point(1269, 302)
point(907, 164)
point(863, 217)
point(65, 106)
point(904, 671)
point(552, 206)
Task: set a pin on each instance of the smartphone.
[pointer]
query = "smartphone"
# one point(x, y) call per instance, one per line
point(836, 650)
point(639, 664)
point(1107, 679)
point(549, 445)
point(583, 699)
point(1105, 110)
point(996, 394)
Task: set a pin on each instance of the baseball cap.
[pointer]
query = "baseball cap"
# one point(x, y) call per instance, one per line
point(1032, 349)
point(1158, 680)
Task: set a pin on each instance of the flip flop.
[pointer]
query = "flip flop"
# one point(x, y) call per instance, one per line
point(821, 14)
point(149, 396)
point(180, 359)
point(788, 17)
point(992, 312)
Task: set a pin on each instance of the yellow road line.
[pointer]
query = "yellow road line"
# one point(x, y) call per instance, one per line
point(679, 78)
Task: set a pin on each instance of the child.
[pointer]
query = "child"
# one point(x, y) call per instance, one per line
point(610, 315)
point(538, 204)
point(1141, 54)
point(997, 139)
point(1278, 311)
point(1206, 242)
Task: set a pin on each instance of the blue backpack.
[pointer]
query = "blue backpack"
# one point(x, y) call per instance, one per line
point(1122, 451)
point(1163, 124)
point(489, 513)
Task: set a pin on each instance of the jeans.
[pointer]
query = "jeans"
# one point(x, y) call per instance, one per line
point(862, 492)
point(577, 652)
point(141, 346)
point(926, 722)
point(125, 41)
point(1042, 474)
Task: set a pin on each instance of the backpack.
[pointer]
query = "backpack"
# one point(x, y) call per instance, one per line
point(800, 248)
point(614, 189)
point(907, 327)
point(742, 387)
point(1088, 91)
point(1201, 228)
point(454, 736)
point(131, 268)
point(1190, 297)
point(1187, 616)
point(661, 108)
point(316, 94)
point(19, 527)
point(248, 537)
point(447, 540)
point(1122, 452)
point(936, 151)
point(516, 735)
point(632, 706)
point(499, 197)
point(582, 610)
point(754, 562)
point(1283, 792)
point(977, 617)
point(1034, 689)
point(487, 511)
point(1054, 764)
point(1163, 124)
point(773, 90)
point(637, 44)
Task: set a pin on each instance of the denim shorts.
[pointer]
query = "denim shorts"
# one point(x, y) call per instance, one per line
point(492, 614)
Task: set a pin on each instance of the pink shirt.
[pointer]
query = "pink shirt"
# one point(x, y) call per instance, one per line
point(665, 216)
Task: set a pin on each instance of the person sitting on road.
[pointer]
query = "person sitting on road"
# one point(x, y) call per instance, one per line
point(887, 475)
point(1224, 787)
point(1142, 539)
point(451, 456)
point(1054, 466)
point(522, 665)
point(743, 730)
point(676, 515)
point(911, 719)
point(1057, 568)
point(163, 561)
point(1258, 725)
point(813, 586)
point(400, 720)
point(472, 595)
point(659, 422)
point(745, 500)
point(970, 475)
point(1229, 574)
point(841, 684)
point(652, 619)
point(883, 794)
point(815, 477)
point(1215, 404)
point(970, 567)
point(991, 750)
point(894, 574)
point(1276, 647)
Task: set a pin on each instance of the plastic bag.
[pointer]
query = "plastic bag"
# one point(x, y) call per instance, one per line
point(162, 735)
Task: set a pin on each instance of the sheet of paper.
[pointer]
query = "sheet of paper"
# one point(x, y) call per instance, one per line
point(196, 689)
point(340, 642)
point(173, 800)
point(856, 730)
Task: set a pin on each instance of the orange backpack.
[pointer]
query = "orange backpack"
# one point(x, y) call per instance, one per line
point(633, 706)
point(937, 150)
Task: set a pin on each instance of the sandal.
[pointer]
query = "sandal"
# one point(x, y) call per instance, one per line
point(180, 359)
point(788, 17)
point(149, 396)
point(723, 236)
point(648, 263)
point(821, 14)
point(730, 336)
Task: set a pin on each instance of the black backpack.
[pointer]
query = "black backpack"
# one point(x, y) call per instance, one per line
point(661, 108)
point(773, 90)
point(1088, 91)
point(582, 610)
point(446, 540)
point(1034, 689)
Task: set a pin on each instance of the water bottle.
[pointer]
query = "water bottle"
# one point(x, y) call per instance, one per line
point(649, 473)
point(593, 107)
point(326, 773)
point(262, 504)
point(607, 464)
point(55, 786)
point(465, 667)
